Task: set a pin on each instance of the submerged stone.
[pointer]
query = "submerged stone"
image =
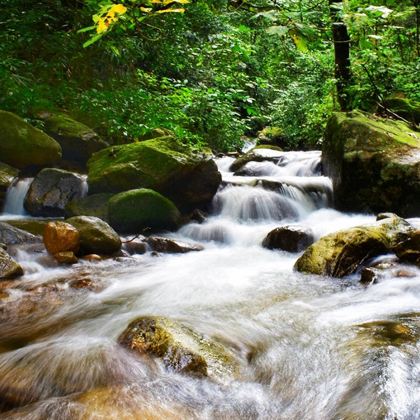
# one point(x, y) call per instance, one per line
point(289, 238)
point(171, 246)
point(180, 348)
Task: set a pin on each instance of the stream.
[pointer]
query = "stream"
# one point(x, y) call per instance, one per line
point(309, 347)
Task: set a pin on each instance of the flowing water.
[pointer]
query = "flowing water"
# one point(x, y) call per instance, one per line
point(308, 347)
point(15, 196)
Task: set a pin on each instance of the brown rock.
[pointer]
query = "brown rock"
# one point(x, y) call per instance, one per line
point(92, 257)
point(170, 246)
point(66, 257)
point(289, 238)
point(9, 268)
point(61, 237)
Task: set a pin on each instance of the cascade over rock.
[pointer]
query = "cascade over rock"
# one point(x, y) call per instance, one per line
point(374, 163)
point(341, 253)
point(22, 145)
point(163, 164)
point(77, 140)
point(7, 175)
point(51, 190)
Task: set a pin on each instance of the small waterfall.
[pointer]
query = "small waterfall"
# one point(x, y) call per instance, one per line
point(15, 197)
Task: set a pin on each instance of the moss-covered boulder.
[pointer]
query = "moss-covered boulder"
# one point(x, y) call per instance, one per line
point(9, 268)
point(135, 210)
point(163, 164)
point(341, 253)
point(403, 107)
point(272, 136)
point(92, 205)
point(51, 190)
point(22, 145)
point(180, 348)
point(96, 236)
point(77, 140)
point(374, 163)
point(255, 155)
point(7, 175)
point(409, 250)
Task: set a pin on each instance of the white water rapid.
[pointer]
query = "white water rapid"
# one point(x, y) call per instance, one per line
point(15, 196)
point(309, 347)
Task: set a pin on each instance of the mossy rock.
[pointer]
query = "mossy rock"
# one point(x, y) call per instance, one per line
point(271, 135)
point(409, 110)
point(155, 133)
point(374, 163)
point(77, 140)
point(268, 146)
point(12, 235)
point(255, 155)
point(142, 209)
point(7, 175)
point(180, 348)
point(92, 205)
point(341, 253)
point(33, 226)
point(22, 145)
point(164, 164)
point(96, 236)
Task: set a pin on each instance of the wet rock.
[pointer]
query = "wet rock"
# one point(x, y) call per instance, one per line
point(61, 237)
point(252, 156)
point(92, 257)
point(10, 235)
point(7, 175)
point(410, 250)
point(78, 141)
point(273, 136)
point(138, 210)
point(135, 246)
point(341, 253)
point(51, 190)
point(163, 164)
point(369, 276)
point(374, 163)
point(198, 216)
point(96, 236)
point(23, 146)
point(92, 205)
point(289, 238)
point(180, 348)
point(9, 268)
point(170, 246)
point(66, 257)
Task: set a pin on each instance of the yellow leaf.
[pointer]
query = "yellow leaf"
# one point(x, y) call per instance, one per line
point(171, 11)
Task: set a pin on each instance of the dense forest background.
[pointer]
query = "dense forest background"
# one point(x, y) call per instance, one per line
point(215, 74)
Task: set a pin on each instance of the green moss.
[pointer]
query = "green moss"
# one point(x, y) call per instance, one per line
point(7, 175)
point(135, 210)
point(34, 226)
point(268, 146)
point(146, 164)
point(22, 145)
point(409, 110)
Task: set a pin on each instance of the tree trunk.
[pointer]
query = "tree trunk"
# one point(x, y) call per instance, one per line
point(341, 40)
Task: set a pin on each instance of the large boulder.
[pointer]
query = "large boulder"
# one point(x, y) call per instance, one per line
point(92, 205)
point(180, 348)
point(22, 145)
point(61, 237)
point(136, 210)
point(96, 236)
point(51, 190)
point(163, 164)
point(289, 238)
point(341, 253)
point(77, 140)
point(7, 175)
point(10, 235)
point(374, 163)
point(9, 268)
